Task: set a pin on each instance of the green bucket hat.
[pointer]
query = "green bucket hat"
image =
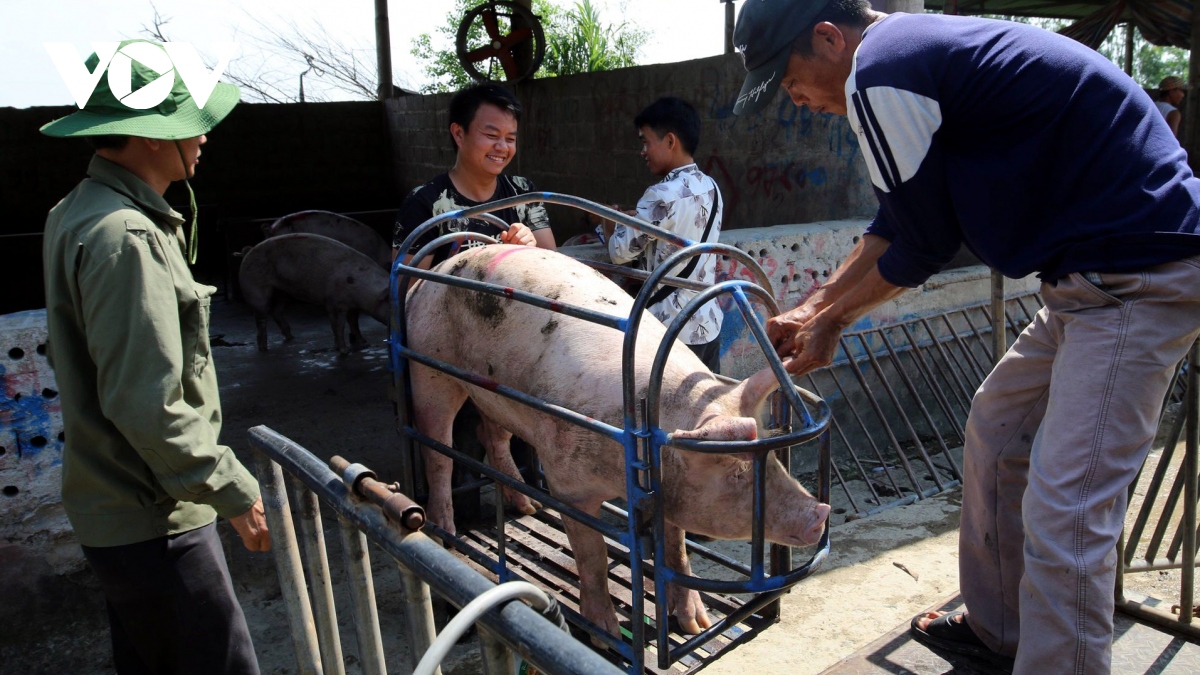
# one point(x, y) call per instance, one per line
point(177, 117)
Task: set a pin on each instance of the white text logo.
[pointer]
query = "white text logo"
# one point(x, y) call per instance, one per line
point(180, 56)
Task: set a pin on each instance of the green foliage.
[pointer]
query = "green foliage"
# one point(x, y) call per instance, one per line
point(576, 42)
point(588, 45)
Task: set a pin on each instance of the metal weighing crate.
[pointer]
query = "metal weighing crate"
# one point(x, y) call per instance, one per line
point(535, 547)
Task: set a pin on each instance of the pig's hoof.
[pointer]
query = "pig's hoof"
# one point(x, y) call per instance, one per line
point(441, 515)
point(688, 610)
point(521, 503)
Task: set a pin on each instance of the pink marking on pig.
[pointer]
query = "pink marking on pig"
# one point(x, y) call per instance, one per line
point(509, 250)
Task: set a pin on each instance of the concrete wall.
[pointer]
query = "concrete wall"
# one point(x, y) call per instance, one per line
point(31, 442)
point(799, 258)
point(263, 160)
point(784, 165)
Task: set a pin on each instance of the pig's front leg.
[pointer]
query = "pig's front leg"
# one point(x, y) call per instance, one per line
point(357, 341)
point(337, 320)
point(496, 440)
point(591, 559)
point(277, 306)
point(682, 602)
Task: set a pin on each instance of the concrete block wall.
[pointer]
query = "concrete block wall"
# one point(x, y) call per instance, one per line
point(784, 165)
point(799, 258)
point(31, 443)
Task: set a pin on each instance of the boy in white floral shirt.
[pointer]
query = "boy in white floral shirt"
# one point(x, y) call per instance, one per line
point(686, 202)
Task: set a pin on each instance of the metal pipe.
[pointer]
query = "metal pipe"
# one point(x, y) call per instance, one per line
point(497, 660)
point(320, 582)
point(1156, 565)
point(912, 432)
point(999, 337)
point(523, 629)
point(1191, 473)
point(288, 567)
point(398, 508)
point(964, 392)
point(1159, 618)
point(383, 50)
point(418, 616)
point(362, 592)
point(729, 25)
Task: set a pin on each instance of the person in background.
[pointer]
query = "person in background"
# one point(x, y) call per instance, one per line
point(1170, 94)
point(686, 202)
point(483, 129)
point(143, 474)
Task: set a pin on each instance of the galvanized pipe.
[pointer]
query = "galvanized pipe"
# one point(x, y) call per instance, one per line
point(418, 616)
point(537, 640)
point(317, 559)
point(288, 567)
point(999, 337)
point(362, 592)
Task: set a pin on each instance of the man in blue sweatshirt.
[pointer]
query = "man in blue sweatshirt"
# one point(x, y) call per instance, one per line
point(1040, 156)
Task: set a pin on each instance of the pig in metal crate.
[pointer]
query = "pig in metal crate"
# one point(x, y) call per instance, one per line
point(535, 548)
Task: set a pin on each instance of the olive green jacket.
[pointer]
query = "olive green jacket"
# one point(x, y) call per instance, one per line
point(129, 345)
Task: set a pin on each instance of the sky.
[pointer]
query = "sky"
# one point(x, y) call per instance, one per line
point(680, 30)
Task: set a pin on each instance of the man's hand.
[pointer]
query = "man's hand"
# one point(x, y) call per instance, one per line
point(519, 234)
point(252, 527)
point(812, 346)
point(782, 329)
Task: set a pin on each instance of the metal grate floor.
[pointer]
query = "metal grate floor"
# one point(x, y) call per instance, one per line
point(1137, 648)
point(538, 552)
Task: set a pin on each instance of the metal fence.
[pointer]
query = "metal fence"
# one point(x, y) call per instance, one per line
point(423, 564)
point(1142, 547)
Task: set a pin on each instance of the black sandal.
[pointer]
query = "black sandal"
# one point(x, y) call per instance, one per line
point(949, 633)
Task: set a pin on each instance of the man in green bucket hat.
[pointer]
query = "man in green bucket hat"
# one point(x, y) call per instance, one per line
point(144, 477)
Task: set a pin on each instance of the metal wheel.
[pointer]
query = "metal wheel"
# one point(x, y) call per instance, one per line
point(488, 43)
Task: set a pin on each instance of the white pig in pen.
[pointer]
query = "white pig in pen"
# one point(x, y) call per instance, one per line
point(576, 364)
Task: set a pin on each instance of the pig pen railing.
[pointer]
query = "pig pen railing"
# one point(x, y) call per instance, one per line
point(642, 442)
point(369, 511)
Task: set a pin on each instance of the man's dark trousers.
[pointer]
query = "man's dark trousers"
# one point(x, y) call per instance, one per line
point(171, 606)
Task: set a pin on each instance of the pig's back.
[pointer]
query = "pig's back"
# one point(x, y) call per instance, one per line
point(550, 355)
point(344, 229)
point(313, 268)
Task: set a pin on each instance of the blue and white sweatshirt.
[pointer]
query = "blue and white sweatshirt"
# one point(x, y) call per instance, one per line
point(1036, 152)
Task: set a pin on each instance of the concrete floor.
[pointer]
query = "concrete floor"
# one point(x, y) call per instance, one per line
point(882, 570)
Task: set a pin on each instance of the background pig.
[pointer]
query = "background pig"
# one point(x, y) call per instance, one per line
point(345, 229)
point(577, 364)
point(316, 269)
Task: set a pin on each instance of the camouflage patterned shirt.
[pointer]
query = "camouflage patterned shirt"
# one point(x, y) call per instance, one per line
point(680, 203)
point(439, 196)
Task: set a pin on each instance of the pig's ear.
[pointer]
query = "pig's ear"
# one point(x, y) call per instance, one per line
point(723, 429)
point(751, 392)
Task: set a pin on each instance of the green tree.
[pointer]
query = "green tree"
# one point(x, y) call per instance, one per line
point(577, 41)
point(1151, 63)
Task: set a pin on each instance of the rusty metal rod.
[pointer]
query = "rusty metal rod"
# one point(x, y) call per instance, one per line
point(965, 392)
point(931, 382)
point(396, 506)
point(1191, 469)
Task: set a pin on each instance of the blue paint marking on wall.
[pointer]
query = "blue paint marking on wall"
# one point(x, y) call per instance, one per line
point(26, 416)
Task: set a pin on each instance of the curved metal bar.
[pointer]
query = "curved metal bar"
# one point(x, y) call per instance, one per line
point(549, 198)
point(628, 349)
point(453, 237)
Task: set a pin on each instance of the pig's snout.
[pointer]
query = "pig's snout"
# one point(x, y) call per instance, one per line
point(817, 525)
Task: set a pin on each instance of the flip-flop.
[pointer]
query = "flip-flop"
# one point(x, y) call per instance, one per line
point(953, 635)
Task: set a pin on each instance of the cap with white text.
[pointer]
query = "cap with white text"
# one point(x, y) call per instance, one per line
point(763, 36)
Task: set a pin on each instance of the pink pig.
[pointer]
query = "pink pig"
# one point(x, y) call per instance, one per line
point(577, 364)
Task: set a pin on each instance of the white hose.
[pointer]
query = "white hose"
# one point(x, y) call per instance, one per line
point(471, 613)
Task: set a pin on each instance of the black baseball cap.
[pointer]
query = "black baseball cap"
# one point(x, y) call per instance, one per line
point(763, 36)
